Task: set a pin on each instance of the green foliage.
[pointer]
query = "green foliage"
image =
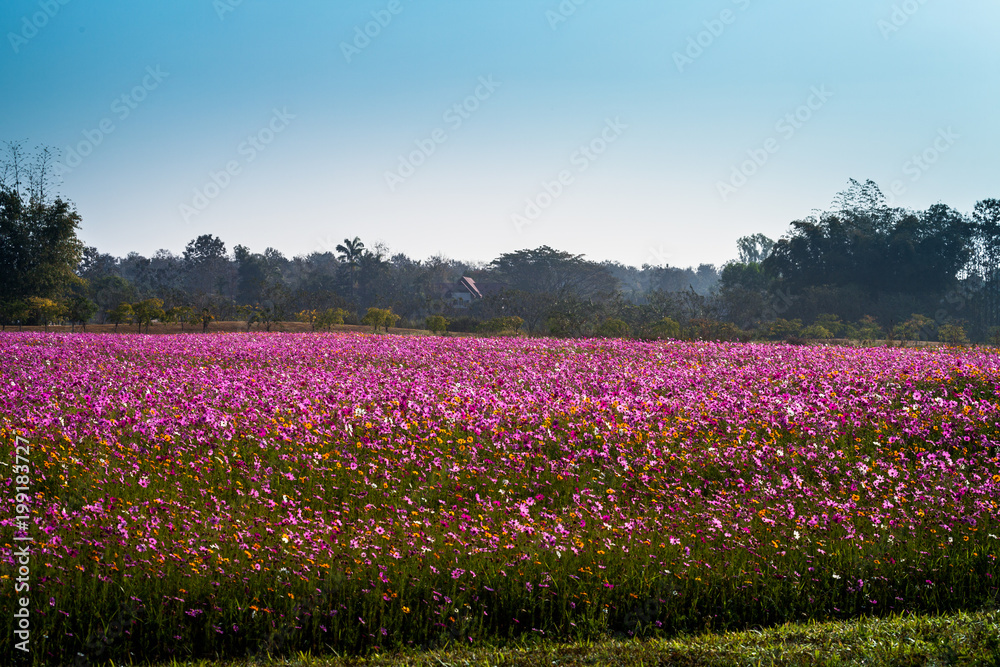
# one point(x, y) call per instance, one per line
point(781, 329)
point(918, 327)
point(13, 312)
point(144, 312)
point(44, 310)
point(180, 314)
point(866, 330)
point(817, 332)
point(79, 309)
point(666, 328)
point(868, 244)
point(330, 317)
point(832, 323)
point(953, 334)
point(746, 276)
point(613, 328)
point(120, 314)
point(502, 326)
point(39, 249)
point(436, 324)
point(464, 324)
point(205, 318)
point(380, 317)
point(266, 315)
point(994, 337)
point(204, 248)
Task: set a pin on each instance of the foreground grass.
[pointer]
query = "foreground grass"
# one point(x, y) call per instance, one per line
point(955, 639)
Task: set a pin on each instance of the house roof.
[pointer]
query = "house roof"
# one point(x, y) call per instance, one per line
point(470, 284)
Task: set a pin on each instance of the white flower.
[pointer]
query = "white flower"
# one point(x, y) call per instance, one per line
point(836, 576)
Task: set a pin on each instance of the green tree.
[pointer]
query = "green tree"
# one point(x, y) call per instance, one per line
point(613, 328)
point(559, 274)
point(916, 328)
point(330, 317)
point(390, 319)
point(436, 324)
point(180, 314)
point(13, 312)
point(831, 323)
point(665, 328)
point(80, 309)
point(266, 315)
point(146, 311)
point(782, 329)
point(380, 317)
point(816, 331)
point(39, 249)
point(953, 334)
point(867, 330)
point(109, 291)
point(122, 313)
point(508, 325)
point(45, 310)
point(754, 249)
point(351, 252)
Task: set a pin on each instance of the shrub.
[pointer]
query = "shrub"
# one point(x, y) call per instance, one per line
point(613, 328)
point(665, 328)
point(502, 326)
point(464, 324)
point(330, 317)
point(436, 324)
point(953, 334)
point(380, 317)
point(817, 331)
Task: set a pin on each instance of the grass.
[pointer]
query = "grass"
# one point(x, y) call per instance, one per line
point(963, 639)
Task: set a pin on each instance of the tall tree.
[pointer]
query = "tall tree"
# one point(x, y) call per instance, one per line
point(39, 249)
point(351, 251)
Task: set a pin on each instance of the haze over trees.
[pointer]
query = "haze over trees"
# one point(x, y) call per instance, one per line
point(862, 269)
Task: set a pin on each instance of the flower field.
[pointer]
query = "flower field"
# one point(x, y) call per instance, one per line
point(240, 494)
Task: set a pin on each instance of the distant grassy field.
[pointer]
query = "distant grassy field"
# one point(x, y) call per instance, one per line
point(229, 496)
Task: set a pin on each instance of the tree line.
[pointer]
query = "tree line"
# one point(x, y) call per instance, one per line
point(862, 270)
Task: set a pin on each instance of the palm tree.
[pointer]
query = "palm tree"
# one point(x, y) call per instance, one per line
point(351, 251)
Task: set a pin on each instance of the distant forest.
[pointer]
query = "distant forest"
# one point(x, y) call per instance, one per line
point(861, 270)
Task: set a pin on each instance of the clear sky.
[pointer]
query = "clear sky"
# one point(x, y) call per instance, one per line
point(634, 130)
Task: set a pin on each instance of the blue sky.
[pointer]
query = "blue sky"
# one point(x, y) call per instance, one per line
point(637, 131)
